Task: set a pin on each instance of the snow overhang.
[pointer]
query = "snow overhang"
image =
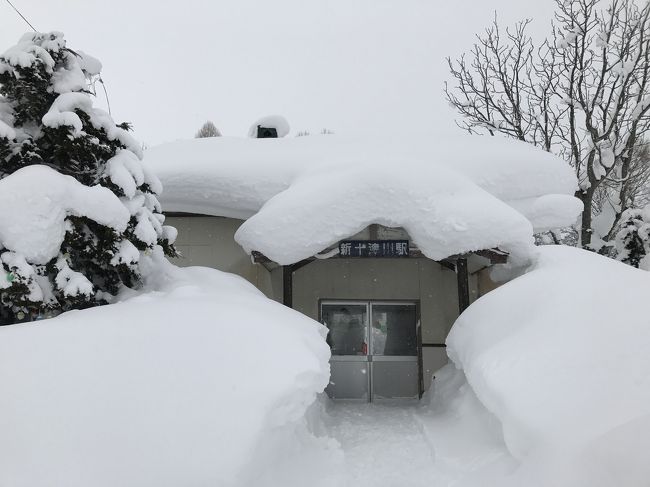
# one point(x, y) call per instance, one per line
point(300, 196)
point(443, 212)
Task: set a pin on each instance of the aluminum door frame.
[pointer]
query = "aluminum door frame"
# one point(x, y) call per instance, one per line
point(393, 358)
point(369, 358)
point(352, 358)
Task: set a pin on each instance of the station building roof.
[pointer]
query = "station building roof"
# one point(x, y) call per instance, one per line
point(300, 195)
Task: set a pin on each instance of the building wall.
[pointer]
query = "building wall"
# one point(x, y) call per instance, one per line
point(424, 281)
point(209, 241)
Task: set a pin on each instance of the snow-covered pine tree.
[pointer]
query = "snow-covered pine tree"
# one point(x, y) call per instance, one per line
point(632, 242)
point(47, 117)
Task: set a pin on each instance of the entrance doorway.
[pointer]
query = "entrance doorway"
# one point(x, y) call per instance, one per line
point(374, 348)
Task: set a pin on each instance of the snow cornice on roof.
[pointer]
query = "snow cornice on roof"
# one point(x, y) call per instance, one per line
point(301, 195)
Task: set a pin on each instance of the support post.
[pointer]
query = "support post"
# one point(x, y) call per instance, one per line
point(463, 284)
point(287, 285)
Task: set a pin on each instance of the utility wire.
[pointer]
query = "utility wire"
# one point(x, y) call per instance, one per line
point(108, 103)
point(34, 29)
point(21, 15)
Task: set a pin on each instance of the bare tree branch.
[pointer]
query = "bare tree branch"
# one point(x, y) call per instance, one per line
point(583, 93)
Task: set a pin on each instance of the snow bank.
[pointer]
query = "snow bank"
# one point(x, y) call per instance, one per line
point(34, 202)
point(366, 177)
point(560, 357)
point(202, 382)
point(466, 438)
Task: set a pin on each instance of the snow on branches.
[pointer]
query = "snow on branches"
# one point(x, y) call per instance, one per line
point(77, 207)
point(632, 242)
point(583, 93)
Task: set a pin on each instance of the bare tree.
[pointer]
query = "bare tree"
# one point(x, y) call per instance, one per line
point(208, 130)
point(583, 93)
point(303, 133)
point(618, 194)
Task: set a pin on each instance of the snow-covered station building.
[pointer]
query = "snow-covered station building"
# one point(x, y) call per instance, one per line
point(384, 240)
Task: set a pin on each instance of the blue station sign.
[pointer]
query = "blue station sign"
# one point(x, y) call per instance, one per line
point(374, 248)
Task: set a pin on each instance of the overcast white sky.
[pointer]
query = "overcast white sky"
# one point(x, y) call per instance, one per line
point(352, 66)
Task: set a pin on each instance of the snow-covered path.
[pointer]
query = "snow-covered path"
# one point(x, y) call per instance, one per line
point(384, 445)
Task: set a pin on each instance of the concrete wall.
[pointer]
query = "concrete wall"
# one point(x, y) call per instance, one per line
point(209, 241)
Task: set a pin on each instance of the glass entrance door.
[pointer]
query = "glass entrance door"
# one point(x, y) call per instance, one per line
point(374, 349)
point(394, 365)
point(348, 341)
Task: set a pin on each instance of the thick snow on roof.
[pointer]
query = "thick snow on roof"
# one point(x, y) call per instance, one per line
point(454, 195)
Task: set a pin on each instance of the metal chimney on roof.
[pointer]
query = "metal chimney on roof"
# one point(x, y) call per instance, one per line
point(266, 132)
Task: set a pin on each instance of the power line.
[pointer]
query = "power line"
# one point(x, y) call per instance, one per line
point(108, 103)
point(21, 15)
point(34, 29)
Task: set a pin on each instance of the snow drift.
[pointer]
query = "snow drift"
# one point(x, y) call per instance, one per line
point(471, 193)
point(202, 382)
point(560, 358)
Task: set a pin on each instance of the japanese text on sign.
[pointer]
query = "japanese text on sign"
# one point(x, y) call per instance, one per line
point(374, 248)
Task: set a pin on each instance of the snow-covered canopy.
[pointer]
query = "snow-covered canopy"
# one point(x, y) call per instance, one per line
point(301, 195)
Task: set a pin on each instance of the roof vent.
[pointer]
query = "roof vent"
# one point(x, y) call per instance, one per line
point(270, 127)
point(267, 132)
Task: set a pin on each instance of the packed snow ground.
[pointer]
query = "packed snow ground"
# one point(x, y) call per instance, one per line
point(449, 441)
point(384, 445)
point(203, 381)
